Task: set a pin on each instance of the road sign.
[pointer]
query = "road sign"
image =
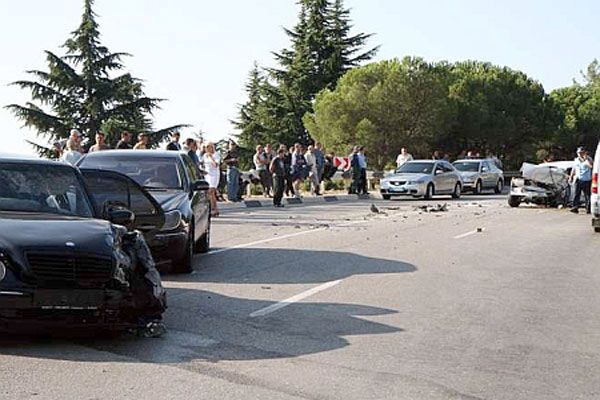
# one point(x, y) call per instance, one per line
point(342, 163)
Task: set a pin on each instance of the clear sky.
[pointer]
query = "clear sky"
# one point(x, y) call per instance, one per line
point(197, 53)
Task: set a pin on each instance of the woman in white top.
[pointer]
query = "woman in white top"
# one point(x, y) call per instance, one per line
point(212, 166)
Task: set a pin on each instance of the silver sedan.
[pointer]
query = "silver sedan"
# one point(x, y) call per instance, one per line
point(480, 174)
point(422, 178)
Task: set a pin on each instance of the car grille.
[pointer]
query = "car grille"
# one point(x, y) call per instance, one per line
point(69, 269)
point(398, 183)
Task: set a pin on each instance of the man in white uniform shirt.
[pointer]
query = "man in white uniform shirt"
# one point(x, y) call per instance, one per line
point(403, 157)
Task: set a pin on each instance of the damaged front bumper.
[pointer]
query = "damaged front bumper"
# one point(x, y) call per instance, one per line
point(40, 309)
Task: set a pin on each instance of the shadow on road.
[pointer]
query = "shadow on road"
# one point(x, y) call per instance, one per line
point(287, 266)
point(209, 326)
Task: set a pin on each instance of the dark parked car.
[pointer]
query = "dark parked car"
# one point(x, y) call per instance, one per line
point(177, 185)
point(62, 260)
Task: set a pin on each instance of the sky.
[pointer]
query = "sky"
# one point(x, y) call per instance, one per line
point(197, 53)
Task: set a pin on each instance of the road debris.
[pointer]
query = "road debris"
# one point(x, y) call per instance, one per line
point(432, 209)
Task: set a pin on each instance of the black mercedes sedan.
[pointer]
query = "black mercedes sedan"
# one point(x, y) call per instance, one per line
point(65, 258)
point(176, 183)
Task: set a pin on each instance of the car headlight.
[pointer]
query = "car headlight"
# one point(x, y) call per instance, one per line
point(172, 220)
point(2, 270)
point(417, 182)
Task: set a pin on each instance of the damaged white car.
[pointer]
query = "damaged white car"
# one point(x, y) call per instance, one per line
point(544, 184)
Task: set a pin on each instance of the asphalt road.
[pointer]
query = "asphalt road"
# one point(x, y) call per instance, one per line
point(333, 301)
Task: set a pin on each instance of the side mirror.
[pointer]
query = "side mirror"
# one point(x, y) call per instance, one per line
point(439, 171)
point(199, 186)
point(484, 169)
point(121, 217)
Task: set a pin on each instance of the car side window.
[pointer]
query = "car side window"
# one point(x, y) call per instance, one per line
point(192, 170)
point(108, 191)
point(447, 167)
point(485, 167)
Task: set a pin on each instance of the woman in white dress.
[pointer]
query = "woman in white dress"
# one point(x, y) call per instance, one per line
point(212, 166)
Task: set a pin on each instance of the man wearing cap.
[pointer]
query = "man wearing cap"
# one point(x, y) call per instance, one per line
point(74, 142)
point(582, 175)
point(142, 144)
point(174, 144)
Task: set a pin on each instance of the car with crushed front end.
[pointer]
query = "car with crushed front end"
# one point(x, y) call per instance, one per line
point(422, 178)
point(545, 184)
point(479, 175)
point(176, 183)
point(67, 261)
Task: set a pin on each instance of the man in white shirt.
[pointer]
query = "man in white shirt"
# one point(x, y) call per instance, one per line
point(403, 157)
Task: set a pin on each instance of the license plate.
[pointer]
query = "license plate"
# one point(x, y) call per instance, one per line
point(68, 299)
point(398, 190)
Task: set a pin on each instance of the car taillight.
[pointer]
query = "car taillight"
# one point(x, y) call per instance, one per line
point(595, 183)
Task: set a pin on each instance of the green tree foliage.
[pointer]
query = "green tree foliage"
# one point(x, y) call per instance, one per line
point(83, 90)
point(450, 107)
point(321, 51)
point(383, 106)
point(497, 109)
point(577, 115)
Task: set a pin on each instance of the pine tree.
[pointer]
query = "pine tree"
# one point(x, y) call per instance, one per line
point(80, 90)
point(321, 51)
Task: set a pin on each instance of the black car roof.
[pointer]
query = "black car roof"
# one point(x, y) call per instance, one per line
point(136, 153)
point(25, 159)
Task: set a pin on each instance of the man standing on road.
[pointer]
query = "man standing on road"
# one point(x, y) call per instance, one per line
point(320, 159)
point(403, 157)
point(174, 144)
point(123, 144)
point(362, 162)
point(313, 172)
point(100, 143)
point(582, 174)
point(261, 165)
point(232, 161)
point(277, 169)
point(355, 168)
point(269, 156)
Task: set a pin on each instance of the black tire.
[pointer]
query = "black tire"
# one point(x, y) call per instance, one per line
point(499, 187)
point(185, 264)
point(478, 187)
point(457, 191)
point(429, 192)
point(203, 245)
point(514, 201)
point(386, 196)
point(597, 229)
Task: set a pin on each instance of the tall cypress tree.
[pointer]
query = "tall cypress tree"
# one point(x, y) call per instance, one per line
point(80, 90)
point(321, 51)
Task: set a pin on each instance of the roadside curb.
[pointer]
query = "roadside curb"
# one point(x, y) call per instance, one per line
point(325, 199)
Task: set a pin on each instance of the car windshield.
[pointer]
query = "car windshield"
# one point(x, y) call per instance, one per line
point(467, 166)
point(154, 173)
point(36, 188)
point(416, 168)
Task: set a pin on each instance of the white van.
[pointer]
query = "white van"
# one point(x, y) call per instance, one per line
point(595, 195)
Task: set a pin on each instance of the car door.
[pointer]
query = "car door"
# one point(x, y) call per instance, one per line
point(487, 175)
point(453, 176)
point(199, 199)
point(440, 178)
point(112, 189)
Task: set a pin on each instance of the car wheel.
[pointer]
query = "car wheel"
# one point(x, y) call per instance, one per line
point(429, 192)
point(597, 229)
point(478, 187)
point(457, 191)
point(499, 187)
point(514, 201)
point(203, 245)
point(185, 264)
point(386, 196)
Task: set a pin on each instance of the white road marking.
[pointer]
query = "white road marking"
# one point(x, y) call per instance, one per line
point(272, 239)
point(294, 299)
point(244, 245)
point(464, 235)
